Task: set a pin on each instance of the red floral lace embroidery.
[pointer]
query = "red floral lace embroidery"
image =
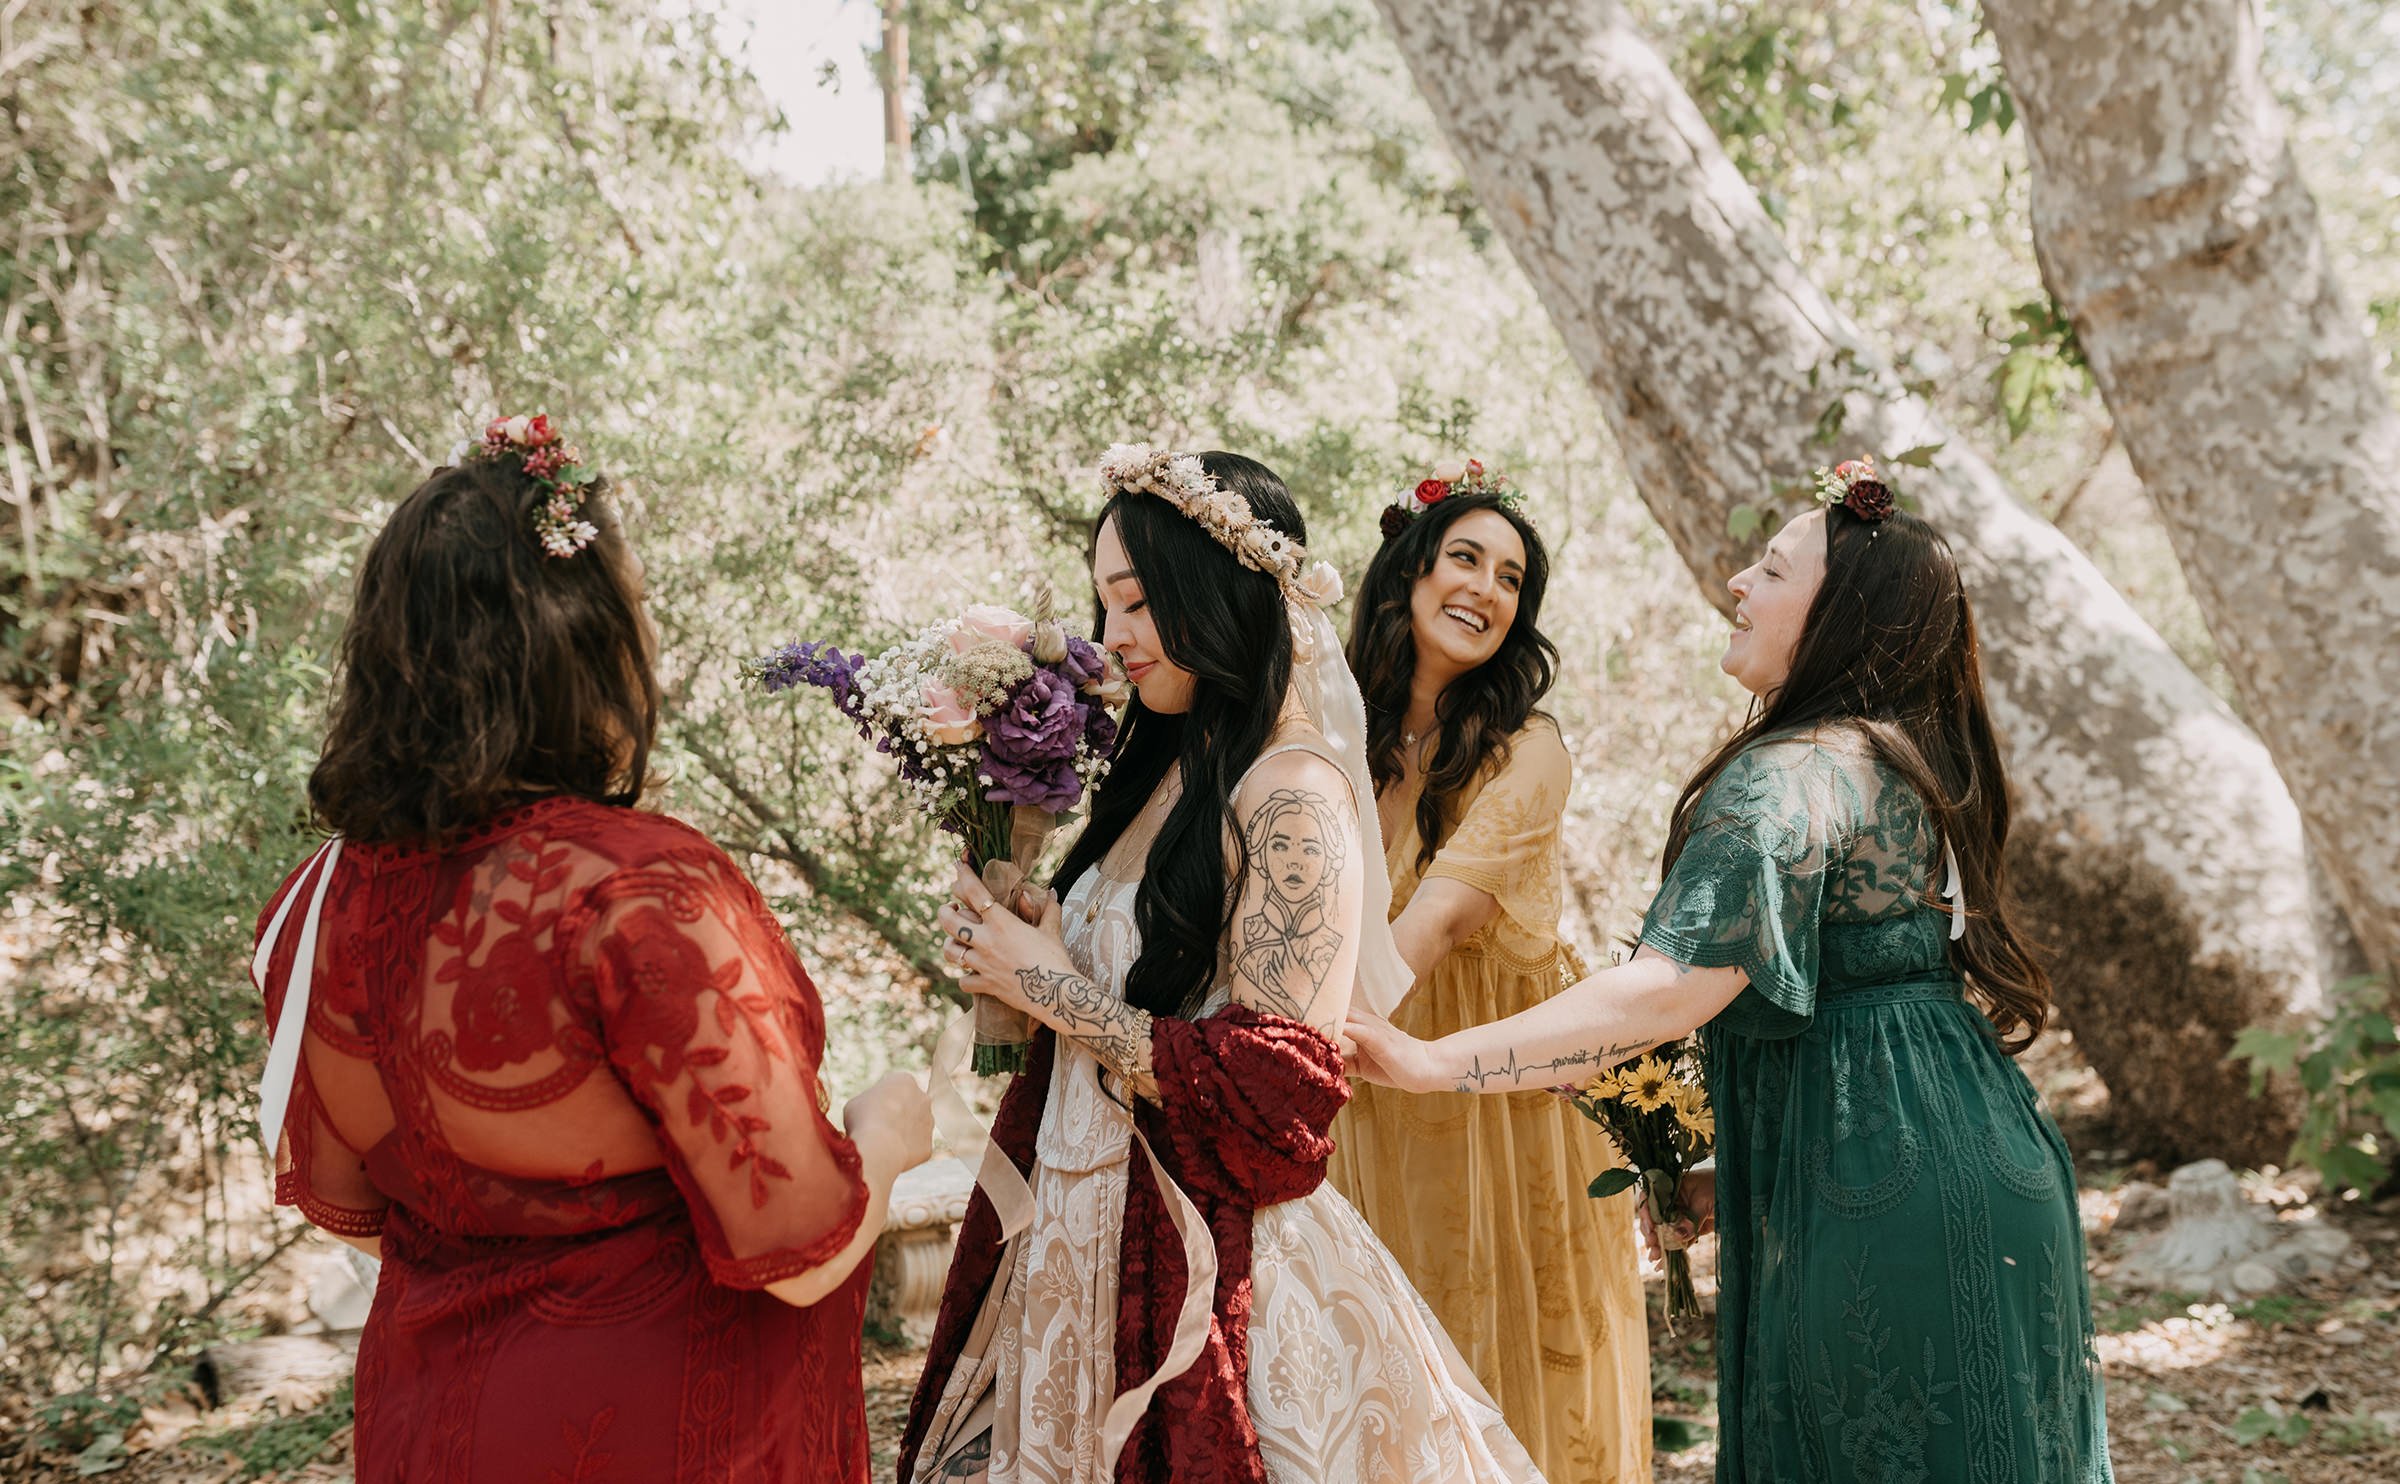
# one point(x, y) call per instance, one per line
point(566, 1068)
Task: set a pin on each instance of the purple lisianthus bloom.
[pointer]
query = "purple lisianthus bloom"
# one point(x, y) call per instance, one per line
point(1084, 664)
point(1050, 784)
point(1040, 724)
point(1099, 729)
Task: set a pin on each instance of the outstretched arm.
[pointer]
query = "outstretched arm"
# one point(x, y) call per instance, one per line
point(1583, 1030)
point(1441, 915)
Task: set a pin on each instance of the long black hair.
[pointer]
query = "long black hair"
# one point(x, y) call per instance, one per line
point(477, 672)
point(1889, 650)
point(1479, 711)
point(1229, 627)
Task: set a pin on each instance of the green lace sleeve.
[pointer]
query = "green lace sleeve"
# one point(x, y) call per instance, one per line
point(1749, 889)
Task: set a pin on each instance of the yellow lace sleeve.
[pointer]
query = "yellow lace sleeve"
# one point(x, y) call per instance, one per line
point(1507, 842)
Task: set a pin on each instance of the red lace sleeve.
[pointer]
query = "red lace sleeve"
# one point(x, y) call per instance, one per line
point(315, 1170)
point(320, 1174)
point(714, 1027)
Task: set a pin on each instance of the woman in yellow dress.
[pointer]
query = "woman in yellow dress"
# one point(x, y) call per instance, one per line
point(1482, 1198)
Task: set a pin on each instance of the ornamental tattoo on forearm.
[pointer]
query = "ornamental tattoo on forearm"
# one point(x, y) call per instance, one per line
point(1584, 1064)
point(1117, 1033)
point(1287, 946)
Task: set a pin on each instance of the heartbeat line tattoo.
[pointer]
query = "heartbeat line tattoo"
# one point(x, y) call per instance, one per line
point(1478, 1077)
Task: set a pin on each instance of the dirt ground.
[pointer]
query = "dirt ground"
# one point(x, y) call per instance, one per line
point(2299, 1387)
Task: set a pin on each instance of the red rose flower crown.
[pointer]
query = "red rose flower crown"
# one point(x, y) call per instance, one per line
point(1448, 481)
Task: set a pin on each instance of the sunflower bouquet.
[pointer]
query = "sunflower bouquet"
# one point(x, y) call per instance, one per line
point(1657, 1113)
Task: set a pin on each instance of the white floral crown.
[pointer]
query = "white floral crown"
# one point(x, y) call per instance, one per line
point(1181, 481)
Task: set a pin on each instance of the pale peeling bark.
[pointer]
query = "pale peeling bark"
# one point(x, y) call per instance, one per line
point(2156, 848)
point(2174, 229)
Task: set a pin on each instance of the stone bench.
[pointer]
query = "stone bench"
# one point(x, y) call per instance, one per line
point(919, 1232)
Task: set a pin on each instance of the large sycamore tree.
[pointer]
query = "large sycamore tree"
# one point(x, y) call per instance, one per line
point(2174, 228)
point(2156, 847)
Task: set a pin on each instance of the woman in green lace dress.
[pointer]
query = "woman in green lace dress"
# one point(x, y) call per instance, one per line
point(1902, 1285)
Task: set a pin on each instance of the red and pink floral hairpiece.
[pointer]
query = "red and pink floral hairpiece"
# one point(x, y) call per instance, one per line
point(558, 522)
point(1446, 481)
point(1853, 485)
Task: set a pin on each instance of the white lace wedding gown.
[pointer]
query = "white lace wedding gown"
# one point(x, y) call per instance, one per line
point(1351, 1377)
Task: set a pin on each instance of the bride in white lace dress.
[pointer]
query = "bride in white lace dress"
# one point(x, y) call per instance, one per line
point(1170, 1292)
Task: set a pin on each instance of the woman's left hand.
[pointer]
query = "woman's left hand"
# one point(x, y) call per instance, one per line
point(995, 952)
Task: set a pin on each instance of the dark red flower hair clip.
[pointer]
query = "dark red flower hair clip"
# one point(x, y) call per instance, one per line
point(1853, 485)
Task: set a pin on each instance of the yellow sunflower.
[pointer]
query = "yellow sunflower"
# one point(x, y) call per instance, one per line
point(1647, 1085)
point(1602, 1087)
point(1692, 1109)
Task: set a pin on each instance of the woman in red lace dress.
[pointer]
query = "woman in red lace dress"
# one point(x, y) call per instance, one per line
point(559, 1064)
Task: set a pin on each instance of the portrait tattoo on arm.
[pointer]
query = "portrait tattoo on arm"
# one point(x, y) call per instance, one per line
point(1287, 944)
point(1117, 1033)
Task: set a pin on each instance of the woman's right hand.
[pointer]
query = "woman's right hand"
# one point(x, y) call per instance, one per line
point(1696, 1192)
point(898, 1111)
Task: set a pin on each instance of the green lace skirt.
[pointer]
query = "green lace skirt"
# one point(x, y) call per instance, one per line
point(1903, 1297)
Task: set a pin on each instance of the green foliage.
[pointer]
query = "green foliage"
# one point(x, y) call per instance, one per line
point(284, 1443)
point(2124, 1317)
point(275, 259)
point(1613, 1182)
point(2043, 365)
point(2259, 1425)
point(2348, 1068)
point(1983, 93)
point(1775, 84)
point(86, 1423)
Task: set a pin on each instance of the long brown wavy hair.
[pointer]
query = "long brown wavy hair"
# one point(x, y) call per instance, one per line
point(1888, 650)
point(1479, 711)
point(478, 673)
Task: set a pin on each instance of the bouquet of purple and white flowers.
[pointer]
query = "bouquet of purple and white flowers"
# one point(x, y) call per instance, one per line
point(999, 724)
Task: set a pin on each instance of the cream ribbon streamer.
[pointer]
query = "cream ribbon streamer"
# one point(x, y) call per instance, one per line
point(283, 1055)
point(995, 1174)
point(1012, 1200)
point(1191, 1320)
point(1954, 893)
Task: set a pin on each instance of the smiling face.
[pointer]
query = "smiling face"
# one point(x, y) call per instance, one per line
point(1296, 855)
point(1462, 608)
point(1771, 601)
point(1130, 633)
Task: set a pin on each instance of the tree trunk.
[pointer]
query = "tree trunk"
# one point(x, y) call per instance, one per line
point(2174, 229)
point(893, 68)
point(2155, 847)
